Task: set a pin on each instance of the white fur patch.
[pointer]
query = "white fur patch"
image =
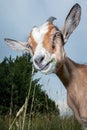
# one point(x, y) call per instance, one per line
point(41, 51)
point(38, 33)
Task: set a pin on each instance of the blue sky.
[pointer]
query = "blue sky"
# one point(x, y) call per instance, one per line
point(17, 17)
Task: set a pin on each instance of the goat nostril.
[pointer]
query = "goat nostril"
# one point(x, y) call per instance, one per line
point(36, 61)
point(42, 58)
point(39, 60)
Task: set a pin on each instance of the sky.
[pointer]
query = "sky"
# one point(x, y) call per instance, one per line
point(17, 17)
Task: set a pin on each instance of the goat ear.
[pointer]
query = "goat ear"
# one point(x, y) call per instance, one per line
point(71, 22)
point(17, 45)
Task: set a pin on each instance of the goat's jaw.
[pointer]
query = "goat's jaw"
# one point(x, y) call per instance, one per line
point(48, 66)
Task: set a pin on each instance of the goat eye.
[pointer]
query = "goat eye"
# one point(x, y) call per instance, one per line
point(56, 35)
point(53, 46)
point(53, 40)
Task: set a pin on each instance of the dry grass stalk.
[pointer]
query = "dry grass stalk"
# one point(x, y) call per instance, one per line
point(31, 107)
point(27, 99)
point(23, 109)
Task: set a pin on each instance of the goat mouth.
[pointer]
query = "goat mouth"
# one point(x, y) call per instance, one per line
point(45, 66)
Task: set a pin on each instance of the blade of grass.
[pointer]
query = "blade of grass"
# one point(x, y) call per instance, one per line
point(31, 107)
point(27, 99)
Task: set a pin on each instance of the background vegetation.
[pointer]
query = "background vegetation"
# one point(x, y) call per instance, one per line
point(23, 104)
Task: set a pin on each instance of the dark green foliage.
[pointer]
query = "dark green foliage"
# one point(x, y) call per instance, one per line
point(15, 77)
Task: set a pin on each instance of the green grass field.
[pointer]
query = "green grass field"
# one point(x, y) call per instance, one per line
point(42, 122)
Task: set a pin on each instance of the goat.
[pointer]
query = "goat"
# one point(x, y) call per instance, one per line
point(46, 45)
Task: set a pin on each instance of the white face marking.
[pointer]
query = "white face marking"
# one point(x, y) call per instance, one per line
point(39, 33)
point(43, 60)
point(49, 60)
point(41, 51)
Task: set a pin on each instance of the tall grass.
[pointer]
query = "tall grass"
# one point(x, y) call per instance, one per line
point(44, 122)
point(53, 122)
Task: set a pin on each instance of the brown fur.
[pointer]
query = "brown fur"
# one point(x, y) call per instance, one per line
point(32, 42)
point(47, 43)
point(74, 78)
